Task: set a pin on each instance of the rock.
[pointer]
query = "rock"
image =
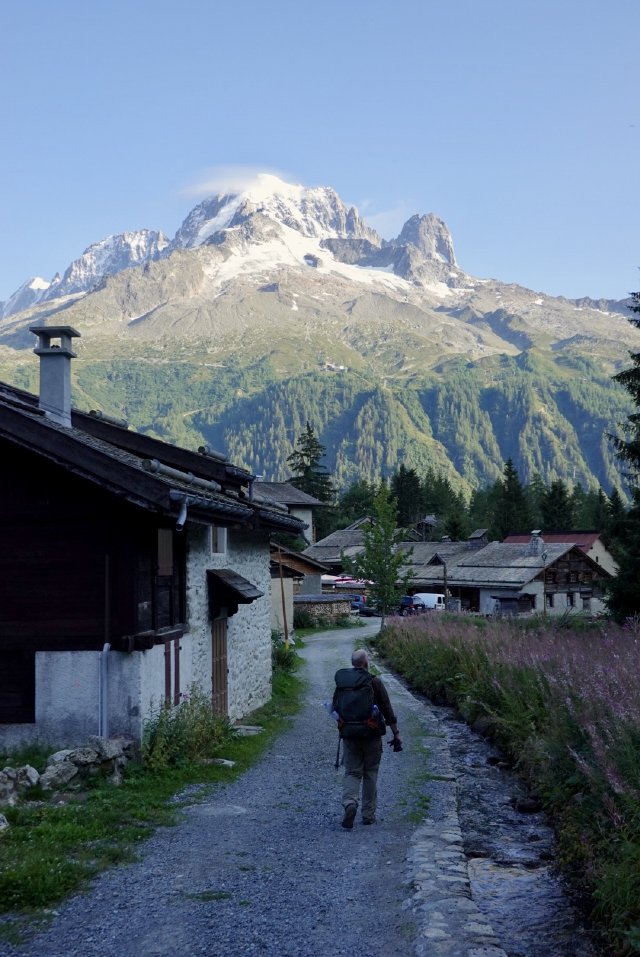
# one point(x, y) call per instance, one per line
point(8, 791)
point(4, 825)
point(57, 775)
point(527, 805)
point(107, 748)
point(27, 778)
point(82, 756)
point(484, 725)
point(59, 756)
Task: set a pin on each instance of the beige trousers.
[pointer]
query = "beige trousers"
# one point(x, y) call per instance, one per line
point(361, 762)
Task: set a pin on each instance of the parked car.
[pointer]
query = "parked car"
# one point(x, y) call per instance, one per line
point(409, 605)
point(420, 602)
point(431, 600)
point(358, 602)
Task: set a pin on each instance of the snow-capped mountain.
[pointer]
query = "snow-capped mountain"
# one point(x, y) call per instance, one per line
point(105, 258)
point(27, 295)
point(293, 308)
point(270, 222)
point(317, 212)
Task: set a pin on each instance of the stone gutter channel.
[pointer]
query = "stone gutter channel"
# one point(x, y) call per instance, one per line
point(449, 922)
point(481, 863)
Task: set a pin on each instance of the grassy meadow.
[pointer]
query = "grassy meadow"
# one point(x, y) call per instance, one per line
point(562, 700)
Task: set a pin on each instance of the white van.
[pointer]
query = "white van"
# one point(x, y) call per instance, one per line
point(431, 602)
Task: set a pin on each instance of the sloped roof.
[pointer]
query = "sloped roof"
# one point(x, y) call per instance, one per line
point(583, 539)
point(348, 541)
point(504, 564)
point(285, 493)
point(425, 552)
point(146, 472)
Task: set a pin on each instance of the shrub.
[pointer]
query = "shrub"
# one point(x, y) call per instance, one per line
point(185, 733)
point(303, 619)
point(283, 657)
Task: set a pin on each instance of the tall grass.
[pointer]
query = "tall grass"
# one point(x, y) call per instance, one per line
point(562, 699)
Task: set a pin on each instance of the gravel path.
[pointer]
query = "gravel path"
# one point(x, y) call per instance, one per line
point(262, 866)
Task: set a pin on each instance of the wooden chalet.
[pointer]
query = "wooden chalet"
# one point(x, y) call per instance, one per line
point(131, 569)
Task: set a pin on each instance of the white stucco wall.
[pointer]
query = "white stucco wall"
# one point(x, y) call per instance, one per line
point(305, 514)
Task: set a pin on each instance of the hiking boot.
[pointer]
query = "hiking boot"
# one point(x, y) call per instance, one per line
point(369, 820)
point(349, 815)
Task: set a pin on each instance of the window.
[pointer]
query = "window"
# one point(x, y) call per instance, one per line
point(160, 582)
point(218, 540)
point(571, 599)
point(549, 600)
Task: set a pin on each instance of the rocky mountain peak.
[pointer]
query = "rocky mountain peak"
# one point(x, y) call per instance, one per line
point(316, 212)
point(109, 256)
point(430, 235)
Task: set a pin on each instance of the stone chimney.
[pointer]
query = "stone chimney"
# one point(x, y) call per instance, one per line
point(55, 370)
point(535, 547)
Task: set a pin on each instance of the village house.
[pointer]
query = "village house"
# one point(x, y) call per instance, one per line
point(132, 569)
point(589, 541)
point(298, 503)
point(510, 578)
point(330, 550)
point(291, 574)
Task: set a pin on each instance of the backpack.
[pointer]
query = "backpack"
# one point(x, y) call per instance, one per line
point(358, 717)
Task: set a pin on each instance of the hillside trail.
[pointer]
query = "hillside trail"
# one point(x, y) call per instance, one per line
point(262, 866)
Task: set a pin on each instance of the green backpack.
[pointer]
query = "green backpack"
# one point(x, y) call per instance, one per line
point(353, 700)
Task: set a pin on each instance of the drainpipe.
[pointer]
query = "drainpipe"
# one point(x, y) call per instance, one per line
point(103, 690)
point(103, 716)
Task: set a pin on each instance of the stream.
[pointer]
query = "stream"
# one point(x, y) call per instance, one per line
point(511, 855)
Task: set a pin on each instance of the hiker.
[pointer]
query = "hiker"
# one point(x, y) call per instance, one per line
point(361, 701)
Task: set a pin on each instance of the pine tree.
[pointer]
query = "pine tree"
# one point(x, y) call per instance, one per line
point(557, 508)
point(624, 590)
point(624, 528)
point(629, 449)
point(308, 475)
point(512, 508)
point(407, 490)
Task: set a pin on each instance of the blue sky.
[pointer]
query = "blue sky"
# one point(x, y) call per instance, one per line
point(516, 121)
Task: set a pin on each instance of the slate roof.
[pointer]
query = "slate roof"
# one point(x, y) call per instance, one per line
point(285, 493)
point(347, 541)
point(583, 539)
point(504, 564)
point(146, 472)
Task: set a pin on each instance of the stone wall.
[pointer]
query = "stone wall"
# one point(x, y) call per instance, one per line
point(249, 630)
point(328, 607)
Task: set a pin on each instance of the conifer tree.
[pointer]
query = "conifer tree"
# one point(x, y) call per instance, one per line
point(308, 475)
point(624, 591)
point(407, 490)
point(629, 448)
point(557, 507)
point(512, 508)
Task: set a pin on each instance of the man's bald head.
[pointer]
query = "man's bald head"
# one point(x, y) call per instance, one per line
point(360, 659)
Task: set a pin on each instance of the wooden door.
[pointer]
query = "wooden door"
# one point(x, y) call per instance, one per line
point(219, 695)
